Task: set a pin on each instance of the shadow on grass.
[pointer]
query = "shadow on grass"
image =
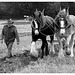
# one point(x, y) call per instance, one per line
point(19, 61)
point(8, 65)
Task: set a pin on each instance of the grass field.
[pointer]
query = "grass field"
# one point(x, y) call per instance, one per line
point(25, 64)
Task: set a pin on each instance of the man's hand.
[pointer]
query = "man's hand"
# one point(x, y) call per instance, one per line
point(1, 41)
point(17, 43)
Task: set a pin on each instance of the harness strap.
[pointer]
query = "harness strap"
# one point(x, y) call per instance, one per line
point(45, 35)
point(62, 27)
point(46, 28)
point(68, 26)
point(36, 28)
point(43, 29)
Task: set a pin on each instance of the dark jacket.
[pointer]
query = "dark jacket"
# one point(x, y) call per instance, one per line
point(9, 33)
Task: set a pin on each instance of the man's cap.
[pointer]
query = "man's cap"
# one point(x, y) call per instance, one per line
point(10, 21)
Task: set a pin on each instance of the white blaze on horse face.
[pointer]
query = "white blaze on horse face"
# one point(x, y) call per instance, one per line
point(33, 49)
point(36, 28)
point(62, 30)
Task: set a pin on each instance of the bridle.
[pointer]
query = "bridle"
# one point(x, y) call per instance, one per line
point(66, 27)
point(33, 22)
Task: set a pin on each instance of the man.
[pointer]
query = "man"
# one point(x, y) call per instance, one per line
point(9, 33)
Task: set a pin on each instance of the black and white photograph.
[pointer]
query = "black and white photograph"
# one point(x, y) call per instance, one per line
point(37, 37)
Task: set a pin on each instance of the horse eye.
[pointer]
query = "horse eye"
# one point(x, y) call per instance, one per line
point(33, 15)
point(39, 14)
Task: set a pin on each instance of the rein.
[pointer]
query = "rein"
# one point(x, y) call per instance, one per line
point(68, 26)
point(65, 27)
point(41, 29)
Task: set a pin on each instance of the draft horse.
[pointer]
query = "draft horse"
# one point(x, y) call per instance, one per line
point(41, 27)
point(65, 32)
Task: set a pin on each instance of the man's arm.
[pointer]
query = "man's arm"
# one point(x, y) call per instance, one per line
point(17, 36)
point(2, 35)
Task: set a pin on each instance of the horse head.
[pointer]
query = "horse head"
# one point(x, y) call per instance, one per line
point(61, 20)
point(37, 15)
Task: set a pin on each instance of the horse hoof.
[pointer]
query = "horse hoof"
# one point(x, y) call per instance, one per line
point(52, 54)
point(71, 55)
point(34, 58)
point(68, 52)
point(42, 56)
point(47, 54)
point(34, 54)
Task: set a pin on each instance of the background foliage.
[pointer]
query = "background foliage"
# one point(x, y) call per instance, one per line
point(17, 10)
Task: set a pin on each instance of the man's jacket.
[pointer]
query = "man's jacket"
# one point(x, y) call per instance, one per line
point(9, 33)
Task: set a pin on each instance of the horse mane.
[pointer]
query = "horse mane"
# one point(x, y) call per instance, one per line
point(48, 20)
point(60, 13)
point(72, 19)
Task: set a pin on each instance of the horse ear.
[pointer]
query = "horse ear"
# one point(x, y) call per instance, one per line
point(39, 13)
point(68, 11)
point(43, 11)
point(37, 10)
point(60, 9)
point(35, 13)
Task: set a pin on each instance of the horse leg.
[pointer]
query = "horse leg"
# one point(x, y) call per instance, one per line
point(61, 53)
point(46, 50)
point(33, 50)
point(60, 47)
point(42, 47)
point(68, 44)
point(71, 44)
point(52, 45)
